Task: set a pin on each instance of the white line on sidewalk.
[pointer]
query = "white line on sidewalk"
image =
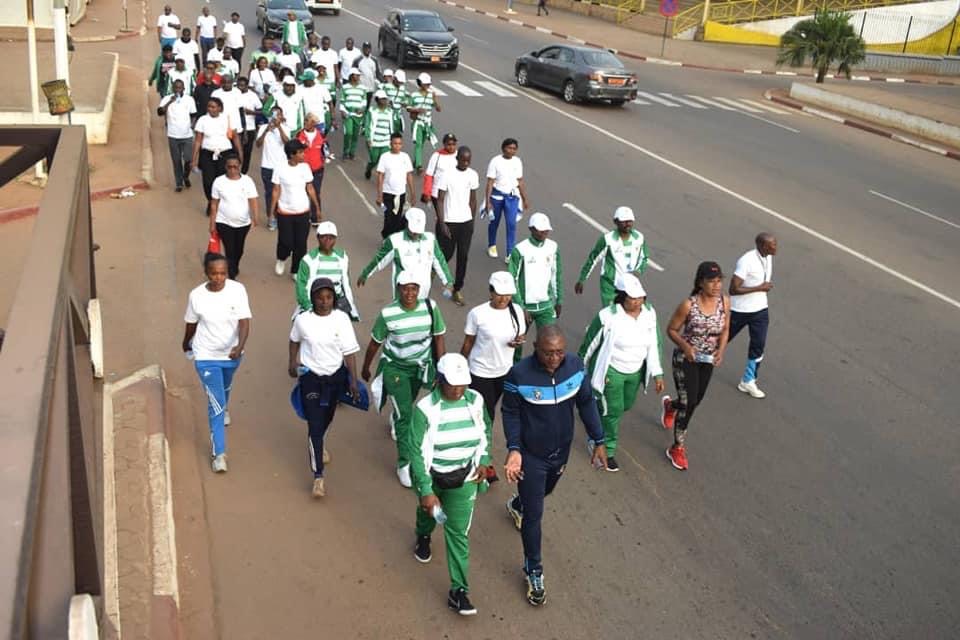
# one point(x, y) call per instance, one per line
point(689, 103)
point(810, 231)
point(461, 88)
point(356, 189)
point(599, 227)
point(494, 88)
point(913, 208)
point(657, 99)
point(765, 107)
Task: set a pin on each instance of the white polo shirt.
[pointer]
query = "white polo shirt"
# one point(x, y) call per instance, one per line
point(348, 58)
point(754, 270)
point(492, 355)
point(324, 340)
point(505, 173)
point(187, 50)
point(166, 30)
point(179, 110)
point(394, 167)
point(234, 197)
point(217, 315)
point(207, 26)
point(328, 58)
point(458, 185)
point(233, 33)
point(633, 339)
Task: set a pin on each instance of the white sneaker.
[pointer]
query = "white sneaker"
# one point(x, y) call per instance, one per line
point(403, 473)
point(280, 267)
point(492, 251)
point(751, 388)
point(226, 418)
point(319, 490)
point(293, 276)
point(220, 463)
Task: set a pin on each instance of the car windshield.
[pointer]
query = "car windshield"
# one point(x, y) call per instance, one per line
point(286, 4)
point(601, 59)
point(423, 23)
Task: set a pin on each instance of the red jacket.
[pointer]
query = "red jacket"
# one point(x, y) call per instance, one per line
point(313, 154)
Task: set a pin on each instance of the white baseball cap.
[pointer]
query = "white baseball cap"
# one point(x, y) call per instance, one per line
point(540, 222)
point(289, 80)
point(326, 228)
point(630, 284)
point(400, 75)
point(407, 277)
point(623, 213)
point(454, 369)
point(424, 78)
point(354, 72)
point(379, 94)
point(416, 220)
point(387, 72)
point(502, 283)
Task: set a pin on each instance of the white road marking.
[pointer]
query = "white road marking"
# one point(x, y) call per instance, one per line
point(496, 89)
point(689, 103)
point(599, 227)
point(481, 41)
point(765, 107)
point(916, 209)
point(356, 189)
point(439, 92)
point(734, 103)
point(712, 103)
point(799, 226)
point(639, 101)
point(657, 99)
point(461, 88)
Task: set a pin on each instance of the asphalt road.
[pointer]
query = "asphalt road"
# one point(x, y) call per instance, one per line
point(826, 510)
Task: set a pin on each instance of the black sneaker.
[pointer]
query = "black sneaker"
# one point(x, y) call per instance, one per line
point(459, 602)
point(536, 593)
point(186, 182)
point(422, 551)
point(612, 465)
point(367, 174)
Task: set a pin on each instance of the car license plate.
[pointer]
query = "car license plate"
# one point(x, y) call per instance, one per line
point(617, 81)
point(434, 58)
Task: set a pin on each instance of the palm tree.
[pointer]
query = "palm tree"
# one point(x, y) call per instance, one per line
point(826, 38)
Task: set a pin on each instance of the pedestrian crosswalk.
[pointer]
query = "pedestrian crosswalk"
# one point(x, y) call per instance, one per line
point(675, 100)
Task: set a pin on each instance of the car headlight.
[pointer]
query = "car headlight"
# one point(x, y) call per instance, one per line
point(454, 43)
point(409, 40)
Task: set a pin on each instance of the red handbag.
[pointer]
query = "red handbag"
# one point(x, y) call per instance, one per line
point(213, 244)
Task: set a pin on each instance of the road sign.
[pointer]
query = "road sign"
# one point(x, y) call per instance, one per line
point(668, 8)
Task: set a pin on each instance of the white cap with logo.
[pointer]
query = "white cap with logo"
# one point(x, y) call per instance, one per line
point(388, 73)
point(289, 80)
point(454, 369)
point(424, 78)
point(407, 277)
point(416, 220)
point(630, 284)
point(623, 213)
point(400, 75)
point(380, 94)
point(326, 228)
point(502, 283)
point(540, 222)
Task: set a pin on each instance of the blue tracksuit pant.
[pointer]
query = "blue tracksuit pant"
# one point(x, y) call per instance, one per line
point(217, 379)
point(756, 323)
point(540, 476)
point(504, 206)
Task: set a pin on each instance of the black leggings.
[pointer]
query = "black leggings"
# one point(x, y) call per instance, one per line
point(292, 232)
point(691, 379)
point(233, 239)
point(210, 169)
point(490, 389)
point(319, 396)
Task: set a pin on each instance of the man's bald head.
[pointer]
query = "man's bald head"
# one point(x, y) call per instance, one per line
point(766, 243)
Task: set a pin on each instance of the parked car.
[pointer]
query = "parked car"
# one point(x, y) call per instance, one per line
point(577, 73)
point(333, 6)
point(271, 14)
point(413, 36)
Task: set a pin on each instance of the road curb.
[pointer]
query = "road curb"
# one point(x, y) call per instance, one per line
point(677, 63)
point(18, 213)
point(862, 126)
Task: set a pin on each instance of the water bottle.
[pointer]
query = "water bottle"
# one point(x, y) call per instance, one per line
point(189, 354)
point(446, 293)
point(438, 514)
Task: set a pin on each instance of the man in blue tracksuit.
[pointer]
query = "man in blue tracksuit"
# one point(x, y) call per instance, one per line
point(538, 397)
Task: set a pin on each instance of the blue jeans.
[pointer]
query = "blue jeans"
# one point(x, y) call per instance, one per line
point(540, 477)
point(167, 41)
point(504, 206)
point(205, 45)
point(216, 376)
point(757, 323)
point(266, 176)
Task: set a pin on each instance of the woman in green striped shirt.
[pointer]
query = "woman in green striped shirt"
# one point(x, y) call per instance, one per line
point(450, 456)
point(411, 331)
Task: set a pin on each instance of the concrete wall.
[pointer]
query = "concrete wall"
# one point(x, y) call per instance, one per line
point(13, 13)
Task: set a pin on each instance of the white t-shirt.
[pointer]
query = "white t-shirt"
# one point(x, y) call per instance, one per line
point(316, 99)
point(458, 185)
point(293, 35)
point(754, 270)
point(234, 197)
point(273, 154)
point(231, 106)
point(249, 100)
point(233, 33)
point(217, 315)
point(229, 67)
point(206, 26)
point(261, 80)
point(329, 59)
point(367, 65)
point(632, 339)
point(187, 50)
point(168, 25)
point(289, 60)
point(324, 340)
point(293, 182)
point(492, 356)
point(505, 173)
point(436, 165)
point(179, 111)
point(394, 167)
point(214, 132)
point(348, 58)
point(214, 55)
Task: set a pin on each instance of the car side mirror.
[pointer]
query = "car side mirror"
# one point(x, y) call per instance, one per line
point(535, 54)
point(449, 28)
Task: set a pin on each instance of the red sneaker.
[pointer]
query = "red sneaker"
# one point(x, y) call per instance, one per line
point(678, 457)
point(667, 413)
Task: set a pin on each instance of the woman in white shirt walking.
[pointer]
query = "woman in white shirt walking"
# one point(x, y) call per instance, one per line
point(233, 211)
point(323, 348)
point(506, 195)
point(622, 352)
point(213, 136)
point(293, 194)
point(217, 327)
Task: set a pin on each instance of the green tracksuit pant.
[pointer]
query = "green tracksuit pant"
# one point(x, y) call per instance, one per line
point(545, 316)
point(402, 383)
point(619, 394)
point(421, 133)
point(351, 132)
point(458, 505)
point(375, 153)
point(607, 292)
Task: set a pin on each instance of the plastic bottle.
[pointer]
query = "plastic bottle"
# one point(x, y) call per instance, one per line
point(438, 514)
point(189, 354)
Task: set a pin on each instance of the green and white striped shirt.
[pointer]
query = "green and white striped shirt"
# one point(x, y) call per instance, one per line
point(335, 266)
point(378, 126)
point(424, 101)
point(406, 334)
point(447, 436)
point(353, 99)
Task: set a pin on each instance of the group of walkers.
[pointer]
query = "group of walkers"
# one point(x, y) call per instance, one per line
point(444, 439)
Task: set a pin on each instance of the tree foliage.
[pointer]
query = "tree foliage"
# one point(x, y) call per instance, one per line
point(826, 38)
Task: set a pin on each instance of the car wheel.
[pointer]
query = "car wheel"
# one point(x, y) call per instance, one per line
point(401, 57)
point(523, 77)
point(569, 93)
point(617, 103)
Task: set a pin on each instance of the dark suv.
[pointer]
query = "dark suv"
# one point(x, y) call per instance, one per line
point(413, 36)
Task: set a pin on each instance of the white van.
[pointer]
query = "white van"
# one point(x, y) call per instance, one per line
point(333, 6)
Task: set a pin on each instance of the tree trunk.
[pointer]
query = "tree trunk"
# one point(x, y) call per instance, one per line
point(821, 73)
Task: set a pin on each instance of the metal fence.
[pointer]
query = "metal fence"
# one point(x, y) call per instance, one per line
point(51, 473)
point(914, 32)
